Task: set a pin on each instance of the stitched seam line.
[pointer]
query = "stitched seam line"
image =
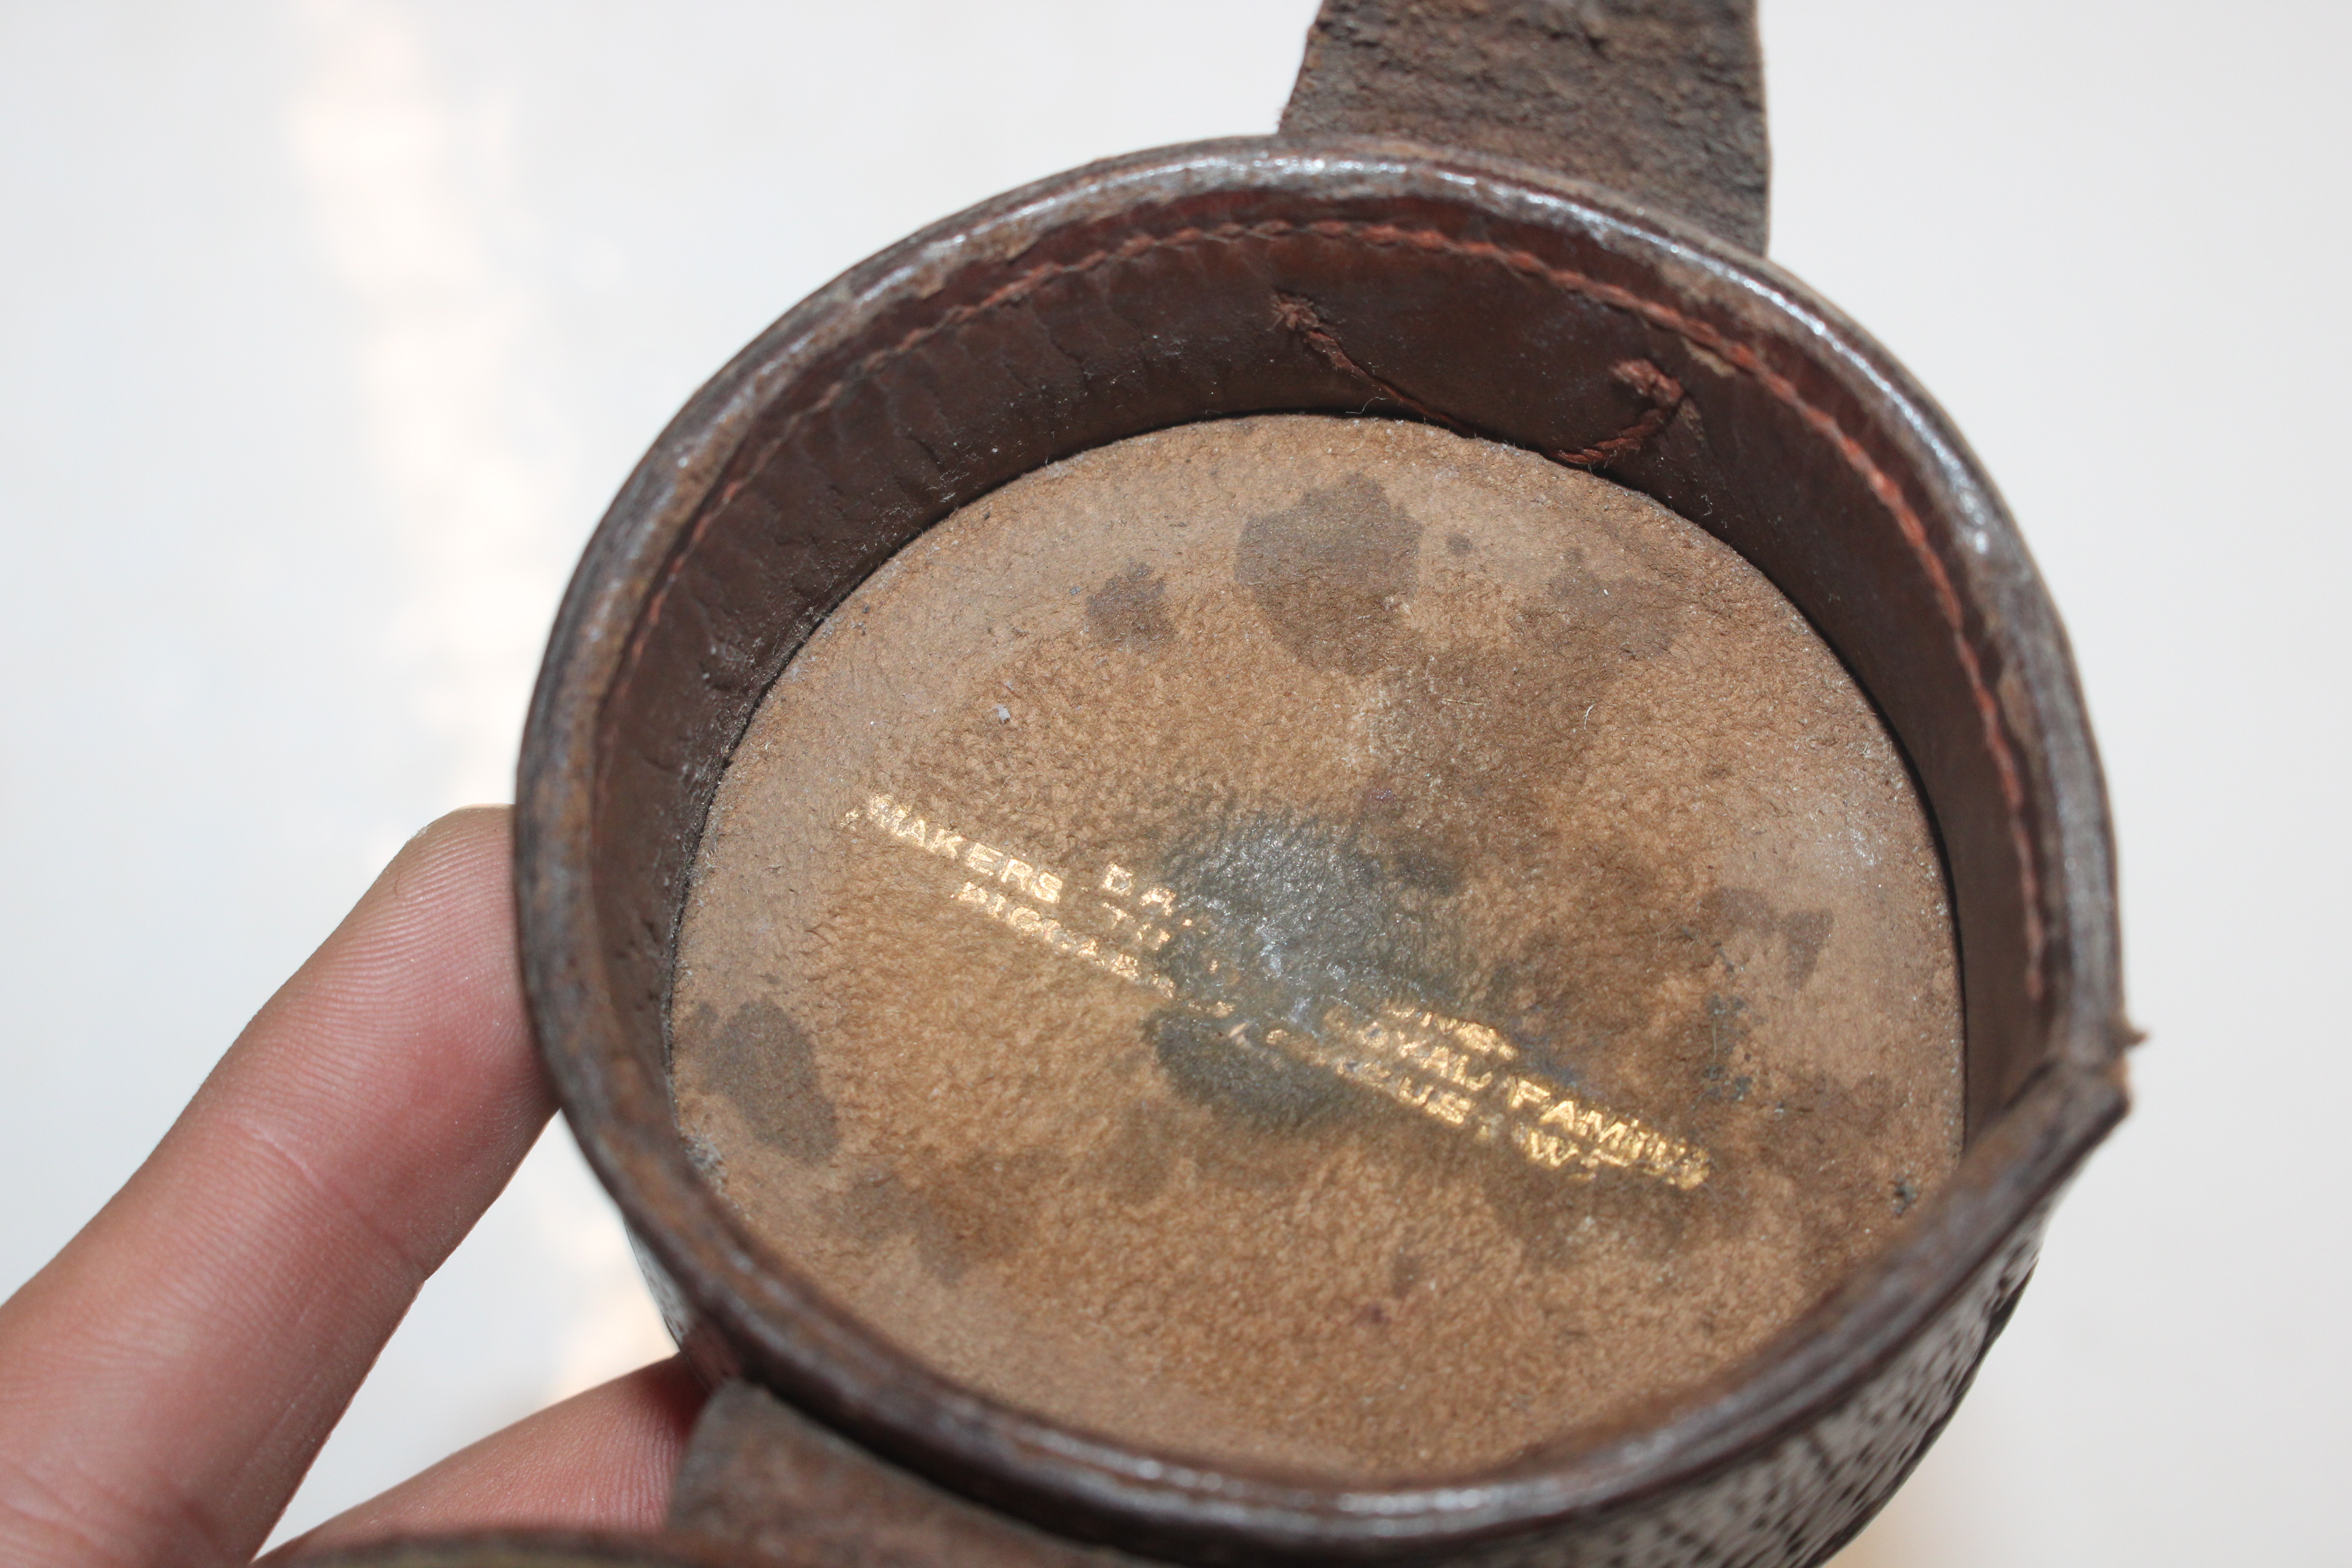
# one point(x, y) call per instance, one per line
point(1740, 355)
point(1298, 316)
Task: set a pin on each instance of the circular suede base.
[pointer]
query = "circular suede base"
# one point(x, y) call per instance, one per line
point(1323, 941)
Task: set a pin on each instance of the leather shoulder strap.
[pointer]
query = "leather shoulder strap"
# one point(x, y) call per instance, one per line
point(1661, 100)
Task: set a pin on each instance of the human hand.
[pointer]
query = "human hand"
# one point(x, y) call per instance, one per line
point(167, 1379)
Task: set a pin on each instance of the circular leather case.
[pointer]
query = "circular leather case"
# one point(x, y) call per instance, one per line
point(1501, 299)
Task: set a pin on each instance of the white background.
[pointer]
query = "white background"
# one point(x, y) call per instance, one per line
point(325, 331)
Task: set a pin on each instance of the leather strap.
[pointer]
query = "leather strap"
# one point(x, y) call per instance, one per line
point(1659, 100)
point(758, 1475)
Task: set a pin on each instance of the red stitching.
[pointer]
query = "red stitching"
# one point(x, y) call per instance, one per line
point(1664, 394)
point(1741, 356)
point(1298, 315)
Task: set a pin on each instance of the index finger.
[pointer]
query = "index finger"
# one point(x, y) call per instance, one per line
point(167, 1379)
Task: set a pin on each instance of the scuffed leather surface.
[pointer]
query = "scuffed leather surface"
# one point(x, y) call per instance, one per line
point(1659, 100)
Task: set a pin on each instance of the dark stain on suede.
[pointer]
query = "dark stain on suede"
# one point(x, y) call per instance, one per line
point(1331, 575)
point(1129, 611)
point(766, 1064)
